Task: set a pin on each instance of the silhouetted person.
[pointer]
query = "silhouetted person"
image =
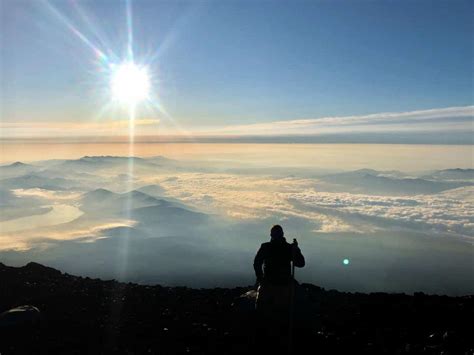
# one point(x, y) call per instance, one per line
point(276, 287)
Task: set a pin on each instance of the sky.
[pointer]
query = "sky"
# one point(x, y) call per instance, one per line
point(240, 67)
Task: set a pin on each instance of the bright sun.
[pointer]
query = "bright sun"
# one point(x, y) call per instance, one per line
point(130, 84)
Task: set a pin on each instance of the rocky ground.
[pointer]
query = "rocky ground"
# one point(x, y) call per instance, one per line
point(81, 315)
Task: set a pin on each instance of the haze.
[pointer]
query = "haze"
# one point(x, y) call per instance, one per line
point(198, 221)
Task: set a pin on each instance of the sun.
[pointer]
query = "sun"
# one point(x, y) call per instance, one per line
point(130, 83)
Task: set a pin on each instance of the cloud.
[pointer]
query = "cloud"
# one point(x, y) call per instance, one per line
point(432, 119)
point(47, 194)
point(245, 198)
point(434, 213)
point(63, 220)
point(34, 237)
point(451, 119)
point(74, 128)
point(430, 235)
point(260, 197)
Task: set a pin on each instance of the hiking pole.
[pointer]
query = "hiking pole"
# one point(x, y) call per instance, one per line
point(292, 296)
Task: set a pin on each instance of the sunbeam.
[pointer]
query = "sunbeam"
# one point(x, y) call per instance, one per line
point(127, 81)
point(65, 21)
point(91, 24)
point(129, 30)
point(155, 105)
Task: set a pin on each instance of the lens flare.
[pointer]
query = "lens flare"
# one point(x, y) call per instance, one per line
point(345, 261)
point(130, 83)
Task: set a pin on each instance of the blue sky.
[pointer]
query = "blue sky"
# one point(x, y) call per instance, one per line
point(228, 63)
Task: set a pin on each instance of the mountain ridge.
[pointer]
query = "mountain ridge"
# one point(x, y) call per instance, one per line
point(85, 315)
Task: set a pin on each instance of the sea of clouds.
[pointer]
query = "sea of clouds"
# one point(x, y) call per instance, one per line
point(193, 223)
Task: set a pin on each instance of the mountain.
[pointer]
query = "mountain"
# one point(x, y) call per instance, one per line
point(16, 165)
point(160, 193)
point(97, 196)
point(160, 160)
point(55, 171)
point(92, 164)
point(107, 202)
point(15, 169)
point(152, 190)
point(36, 180)
point(380, 183)
point(167, 219)
point(155, 216)
point(83, 315)
point(452, 174)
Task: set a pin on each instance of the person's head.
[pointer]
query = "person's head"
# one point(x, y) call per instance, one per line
point(277, 232)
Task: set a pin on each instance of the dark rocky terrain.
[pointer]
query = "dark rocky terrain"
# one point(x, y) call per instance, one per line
point(82, 315)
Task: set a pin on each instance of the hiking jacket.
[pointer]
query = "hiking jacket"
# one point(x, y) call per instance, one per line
point(275, 257)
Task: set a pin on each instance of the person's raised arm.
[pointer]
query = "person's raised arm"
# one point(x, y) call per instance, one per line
point(297, 256)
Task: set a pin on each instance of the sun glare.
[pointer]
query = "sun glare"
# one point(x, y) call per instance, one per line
point(130, 84)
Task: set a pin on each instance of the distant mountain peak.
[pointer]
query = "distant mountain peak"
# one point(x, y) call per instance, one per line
point(17, 164)
point(367, 172)
point(459, 170)
point(151, 189)
point(105, 157)
point(100, 191)
point(136, 192)
point(159, 158)
point(88, 158)
point(452, 174)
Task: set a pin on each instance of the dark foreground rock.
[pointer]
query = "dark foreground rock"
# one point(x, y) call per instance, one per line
point(82, 315)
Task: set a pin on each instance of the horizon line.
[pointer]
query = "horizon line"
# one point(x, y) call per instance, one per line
point(394, 137)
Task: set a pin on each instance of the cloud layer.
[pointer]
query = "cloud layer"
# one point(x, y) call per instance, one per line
point(96, 221)
point(249, 197)
point(452, 118)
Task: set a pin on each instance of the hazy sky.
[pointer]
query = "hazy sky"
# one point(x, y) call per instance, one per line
point(230, 67)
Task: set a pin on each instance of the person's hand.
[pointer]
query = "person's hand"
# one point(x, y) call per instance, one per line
point(295, 248)
point(258, 282)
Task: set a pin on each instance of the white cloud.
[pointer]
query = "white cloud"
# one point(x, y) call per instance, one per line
point(84, 231)
point(77, 128)
point(437, 213)
point(237, 196)
point(47, 194)
point(433, 119)
point(438, 119)
point(253, 198)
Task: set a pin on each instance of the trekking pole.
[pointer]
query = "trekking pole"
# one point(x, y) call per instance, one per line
point(292, 296)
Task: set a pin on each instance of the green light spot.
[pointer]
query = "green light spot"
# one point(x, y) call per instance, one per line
point(345, 261)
